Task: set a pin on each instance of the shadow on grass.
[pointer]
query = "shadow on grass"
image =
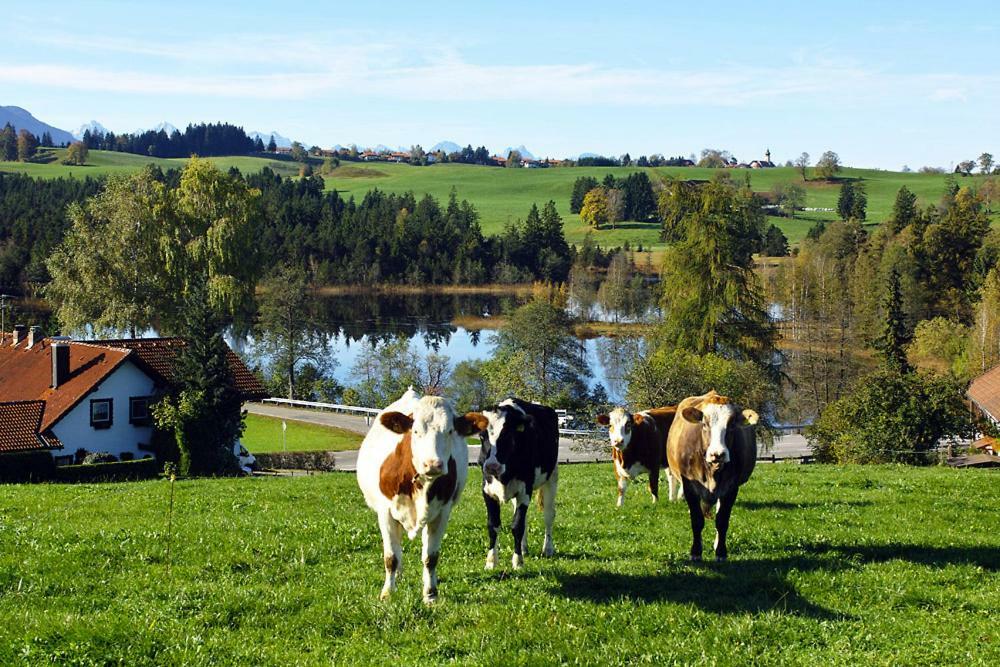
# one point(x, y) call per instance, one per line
point(734, 587)
point(986, 557)
point(655, 226)
point(785, 505)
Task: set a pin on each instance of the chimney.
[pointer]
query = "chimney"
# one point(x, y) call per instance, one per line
point(34, 336)
point(19, 331)
point(60, 363)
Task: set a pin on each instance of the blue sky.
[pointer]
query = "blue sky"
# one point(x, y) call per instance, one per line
point(883, 84)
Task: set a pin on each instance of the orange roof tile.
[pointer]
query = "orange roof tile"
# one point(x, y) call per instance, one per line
point(985, 392)
point(159, 355)
point(19, 422)
point(26, 375)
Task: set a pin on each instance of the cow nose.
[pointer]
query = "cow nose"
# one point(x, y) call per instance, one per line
point(616, 444)
point(433, 467)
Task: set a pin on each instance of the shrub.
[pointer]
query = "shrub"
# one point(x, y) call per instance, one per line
point(890, 417)
point(320, 461)
point(99, 457)
point(28, 467)
point(119, 471)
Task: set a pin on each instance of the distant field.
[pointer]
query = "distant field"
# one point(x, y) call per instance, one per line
point(873, 565)
point(503, 195)
point(263, 434)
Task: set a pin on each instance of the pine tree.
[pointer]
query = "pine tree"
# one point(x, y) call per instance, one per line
point(8, 143)
point(272, 146)
point(893, 339)
point(904, 210)
point(204, 412)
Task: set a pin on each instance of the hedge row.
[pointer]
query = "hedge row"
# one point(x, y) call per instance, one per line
point(39, 467)
point(323, 461)
point(120, 471)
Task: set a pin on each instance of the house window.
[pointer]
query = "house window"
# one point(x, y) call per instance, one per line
point(138, 411)
point(101, 414)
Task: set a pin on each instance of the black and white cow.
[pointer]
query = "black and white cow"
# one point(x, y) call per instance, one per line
point(519, 451)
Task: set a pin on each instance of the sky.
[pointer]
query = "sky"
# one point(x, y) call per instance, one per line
point(882, 84)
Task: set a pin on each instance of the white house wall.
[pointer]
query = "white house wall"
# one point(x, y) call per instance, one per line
point(74, 429)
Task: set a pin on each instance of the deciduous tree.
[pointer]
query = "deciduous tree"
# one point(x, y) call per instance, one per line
point(596, 210)
point(828, 165)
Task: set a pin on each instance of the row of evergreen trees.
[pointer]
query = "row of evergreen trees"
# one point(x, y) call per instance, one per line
point(204, 139)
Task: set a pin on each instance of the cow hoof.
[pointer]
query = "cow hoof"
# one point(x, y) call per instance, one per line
point(384, 595)
point(430, 598)
point(548, 550)
point(491, 560)
point(517, 561)
point(721, 559)
point(695, 559)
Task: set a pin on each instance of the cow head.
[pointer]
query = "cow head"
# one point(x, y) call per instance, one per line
point(620, 423)
point(499, 440)
point(716, 415)
point(434, 431)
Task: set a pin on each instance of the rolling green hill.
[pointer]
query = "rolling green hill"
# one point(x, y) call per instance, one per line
point(502, 195)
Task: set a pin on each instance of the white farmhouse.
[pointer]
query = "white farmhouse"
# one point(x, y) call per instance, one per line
point(72, 397)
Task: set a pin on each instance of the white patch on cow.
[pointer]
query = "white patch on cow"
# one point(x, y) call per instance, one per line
point(620, 428)
point(718, 417)
point(514, 490)
point(491, 558)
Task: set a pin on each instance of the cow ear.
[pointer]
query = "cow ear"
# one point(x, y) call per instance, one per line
point(691, 414)
point(751, 417)
point(603, 420)
point(470, 423)
point(396, 422)
point(638, 419)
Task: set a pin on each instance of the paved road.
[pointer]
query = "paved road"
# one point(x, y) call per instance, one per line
point(570, 450)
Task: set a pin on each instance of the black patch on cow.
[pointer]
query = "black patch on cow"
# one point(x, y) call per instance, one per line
point(527, 441)
point(445, 487)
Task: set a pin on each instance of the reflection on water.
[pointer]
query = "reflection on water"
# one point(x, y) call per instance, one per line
point(351, 322)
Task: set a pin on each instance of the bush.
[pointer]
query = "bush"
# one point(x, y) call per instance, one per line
point(320, 461)
point(29, 467)
point(99, 457)
point(890, 417)
point(119, 471)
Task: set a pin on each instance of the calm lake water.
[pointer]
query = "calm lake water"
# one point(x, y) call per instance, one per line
point(353, 322)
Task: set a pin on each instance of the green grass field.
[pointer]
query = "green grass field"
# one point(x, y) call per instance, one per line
point(828, 566)
point(502, 195)
point(263, 434)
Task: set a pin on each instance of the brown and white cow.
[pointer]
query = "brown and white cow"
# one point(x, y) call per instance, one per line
point(712, 447)
point(639, 445)
point(412, 467)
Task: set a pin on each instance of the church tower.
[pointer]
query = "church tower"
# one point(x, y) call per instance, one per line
point(767, 155)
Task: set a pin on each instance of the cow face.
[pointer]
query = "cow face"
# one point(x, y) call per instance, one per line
point(434, 432)
point(620, 423)
point(505, 422)
point(716, 416)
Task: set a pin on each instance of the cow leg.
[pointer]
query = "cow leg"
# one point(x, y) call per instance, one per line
point(654, 483)
point(722, 513)
point(697, 519)
point(674, 486)
point(493, 526)
point(548, 498)
point(392, 551)
point(622, 485)
point(433, 533)
point(518, 528)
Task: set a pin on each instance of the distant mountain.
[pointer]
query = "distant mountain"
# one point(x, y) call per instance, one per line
point(280, 141)
point(446, 146)
point(93, 126)
point(22, 120)
point(525, 153)
point(588, 155)
point(166, 127)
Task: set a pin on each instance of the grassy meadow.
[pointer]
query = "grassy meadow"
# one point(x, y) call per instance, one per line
point(828, 565)
point(263, 434)
point(502, 195)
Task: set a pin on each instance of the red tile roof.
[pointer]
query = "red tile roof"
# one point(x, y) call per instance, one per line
point(26, 375)
point(985, 392)
point(30, 406)
point(19, 424)
point(159, 355)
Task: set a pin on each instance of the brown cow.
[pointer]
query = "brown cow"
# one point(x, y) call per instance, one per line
point(712, 447)
point(639, 445)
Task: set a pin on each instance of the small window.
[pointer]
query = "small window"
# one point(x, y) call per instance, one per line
point(101, 415)
point(138, 411)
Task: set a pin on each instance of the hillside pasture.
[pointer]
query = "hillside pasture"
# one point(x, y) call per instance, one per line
point(504, 195)
point(828, 565)
point(263, 434)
